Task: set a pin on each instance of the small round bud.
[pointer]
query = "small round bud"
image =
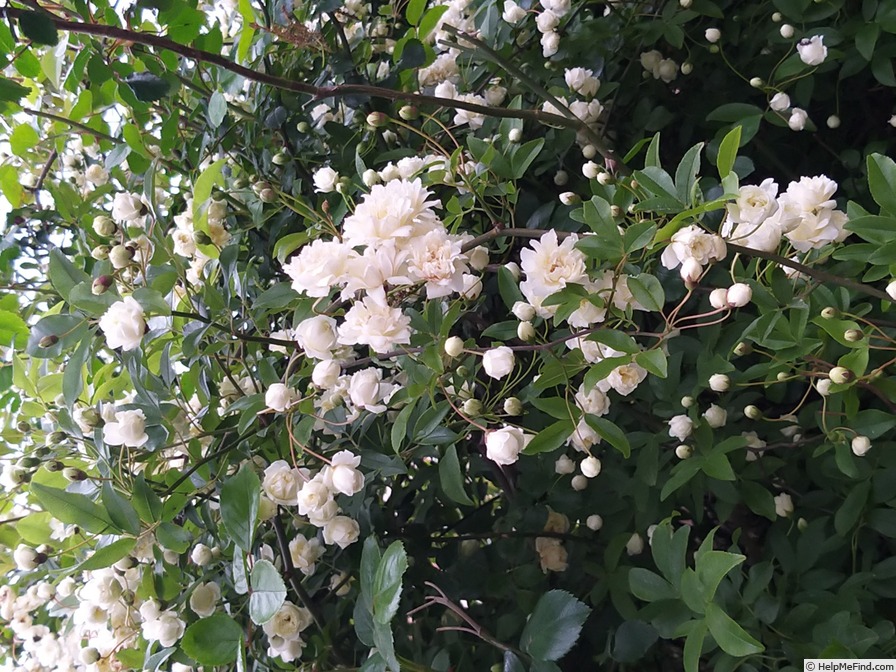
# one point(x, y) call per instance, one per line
point(561, 177)
point(776, 17)
point(590, 467)
point(739, 295)
point(55, 438)
point(594, 522)
point(515, 134)
point(570, 198)
point(718, 298)
point(719, 382)
point(786, 31)
point(685, 3)
point(408, 113)
point(752, 412)
point(100, 252)
point(121, 256)
point(472, 407)
point(683, 451)
point(713, 48)
point(513, 406)
point(823, 386)
point(28, 462)
point(377, 119)
point(605, 178)
point(303, 127)
point(23, 426)
point(687, 68)
point(861, 445)
point(101, 284)
point(525, 331)
point(104, 226)
point(833, 121)
point(840, 375)
point(280, 159)
point(454, 345)
point(615, 211)
point(523, 311)
point(579, 482)
point(713, 35)
point(782, 376)
point(743, 348)
point(48, 341)
point(687, 402)
point(802, 524)
point(590, 170)
point(830, 313)
point(128, 596)
point(589, 151)
point(757, 83)
point(853, 335)
point(74, 474)
point(564, 466)
point(267, 195)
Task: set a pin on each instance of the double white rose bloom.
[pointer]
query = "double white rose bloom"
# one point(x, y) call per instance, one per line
point(123, 324)
point(503, 446)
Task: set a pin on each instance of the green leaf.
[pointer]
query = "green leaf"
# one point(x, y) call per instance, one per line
point(146, 501)
point(693, 646)
point(550, 438)
point(12, 328)
point(23, 138)
point(147, 87)
point(851, 510)
point(523, 157)
point(68, 329)
point(554, 626)
point(654, 361)
point(120, 510)
point(387, 583)
point(239, 506)
point(267, 592)
point(669, 549)
point(12, 92)
point(610, 432)
point(107, 556)
point(72, 508)
point(399, 429)
point(213, 641)
point(217, 109)
point(712, 567)
point(686, 173)
point(733, 639)
point(632, 640)
point(64, 275)
point(39, 28)
point(866, 38)
point(650, 587)
point(414, 12)
point(451, 478)
point(152, 301)
point(882, 181)
point(873, 228)
point(173, 537)
point(728, 151)
point(647, 291)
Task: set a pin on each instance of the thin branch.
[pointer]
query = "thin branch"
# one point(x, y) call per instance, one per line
point(237, 334)
point(74, 124)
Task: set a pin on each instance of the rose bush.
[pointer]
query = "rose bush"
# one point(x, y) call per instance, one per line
point(447, 334)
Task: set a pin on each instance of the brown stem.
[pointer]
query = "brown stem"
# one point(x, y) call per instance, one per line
point(316, 92)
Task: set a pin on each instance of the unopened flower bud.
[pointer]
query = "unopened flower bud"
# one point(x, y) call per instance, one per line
point(377, 119)
point(605, 178)
point(101, 284)
point(513, 406)
point(840, 375)
point(589, 152)
point(570, 198)
point(752, 412)
point(712, 35)
point(128, 596)
point(615, 211)
point(786, 31)
point(718, 298)
point(525, 331)
point(48, 341)
point(739, 295)
point(590, 170)
point(408, 113)
point(303, 127)
point(523, 311)
point(515, 134)
point(687, 68)
point(757, 83)
point(100, 252)
point(90, 655)
point(472, 407)
point(120, 256)
point(802, 524)
point(579, 482)
point(104, 226)
point(28, 462)
point(594, 522)
point(853, 335)
point(719, 382)
point(74, 474)
point(782, 376)
point(829, 313)
point(561, 177)
point(743, 348)
point(861, 445)
point(590, 467)
point(776, 17)
point(833, 121)
point(687, 402)
point(280, 159)
point(454, 345)
point(23, 426)
point(267, 195)
point(514, 269)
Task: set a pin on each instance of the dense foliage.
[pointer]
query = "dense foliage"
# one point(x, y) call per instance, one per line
point(447, 335)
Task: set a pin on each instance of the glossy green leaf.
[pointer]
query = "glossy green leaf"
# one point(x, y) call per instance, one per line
point(267, 592)
point(387, 583)
point(731, 637)
point(451, 478)
point(72, 508)
point(554, 626)
point(213, 641)
point(240, 495)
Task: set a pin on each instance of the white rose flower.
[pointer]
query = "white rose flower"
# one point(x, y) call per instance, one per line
point(279, 397)
point(692, 242)
point(201, 555)
point(205, 599)
point(317, 336)
point(96, 174)
point(681, 427)
point(547, 21)
point(325, 180)
point(784, 505)
point(127, 430)
point(564, 466)
point(313, 495)
point(624, 379)
point(342, 531)
point(127, 208)
point(366, 389)
point(25, 557)
point(375, 324)
point(282, 482)
point(342, 475)
point(798, 119)
point(123, 325)
point(320, 266)
point(715, 417)
point(513, 13)
point(305, 553)
point(891, 289)
point(504, 446)
point(550, 44)
point(582, 81)
point(812, 50)
point(552, 555)
point(815, 230)
point(288, 622)
point(498, 362)
point(326, 373)
point(779, 102)
point(167, 629)
point(320, 517)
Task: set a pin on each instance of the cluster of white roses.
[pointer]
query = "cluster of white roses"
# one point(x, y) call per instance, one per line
point(185, 236)
point(805, 214)
point(284, 631)
point(658, 67)
point(404, 244)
